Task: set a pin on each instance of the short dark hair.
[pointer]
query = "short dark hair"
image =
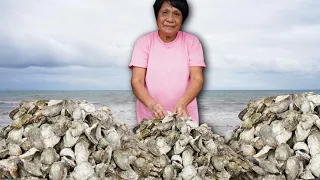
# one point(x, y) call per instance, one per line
point(182, 5)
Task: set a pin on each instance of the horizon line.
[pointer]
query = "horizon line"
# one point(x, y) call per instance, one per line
point(21, 90)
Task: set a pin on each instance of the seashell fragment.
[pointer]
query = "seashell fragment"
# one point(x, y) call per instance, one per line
point(268, 137)
point(188, 172)
point(15, 136)
point(84, 170)
point(315, 165)
point(302, 146)
point(291, 120)
point(292, 168)
point(54, 102)
point(263, 152)
point(187, 156)
point(307, 174)
point(32, 168)
point(50, 139)
point(247, 150)
point(11, 166)
point(247, 135)
point(14, 150)
point(49, 156)
point(302, 134)
point(283, 152)
point(314, 143)
point(280, 106)
point(36, 139)
point(164, 148)
point(81, 153)
point(249, 122)
point(69, 140)
point(57, 171)
point(121, 158)
point(129, 174)
point(168, 172)
point(68, 153)
point(280, 133)
point(51, 111)
point(268, 166)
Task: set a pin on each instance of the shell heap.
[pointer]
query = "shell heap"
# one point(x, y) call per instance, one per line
point(189, 151)
point(64, 139)
point(281, 136)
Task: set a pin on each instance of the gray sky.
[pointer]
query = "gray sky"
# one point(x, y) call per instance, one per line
point(87, 44)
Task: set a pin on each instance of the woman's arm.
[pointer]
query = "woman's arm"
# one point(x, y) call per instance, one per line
point(137, 83)
point(194, 88)
point(138, 88)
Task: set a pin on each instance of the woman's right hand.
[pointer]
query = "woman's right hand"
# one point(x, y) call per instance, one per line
point(157, 110)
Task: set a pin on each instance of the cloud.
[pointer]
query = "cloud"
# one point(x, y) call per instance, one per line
point(64, 78)
point(85, 33)
point(247, 45)
point(259, 36)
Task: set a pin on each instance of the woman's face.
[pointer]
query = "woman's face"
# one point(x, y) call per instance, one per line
point(169, 20)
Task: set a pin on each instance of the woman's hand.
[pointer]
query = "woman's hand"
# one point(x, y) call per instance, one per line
point(181, 109)
point(157, 110)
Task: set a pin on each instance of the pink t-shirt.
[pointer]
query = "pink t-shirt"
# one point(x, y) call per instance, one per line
point(168, 68)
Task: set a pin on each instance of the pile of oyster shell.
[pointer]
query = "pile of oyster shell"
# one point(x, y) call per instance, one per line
point(65, 139)
point(189, 151)
point(61, 139)
point(281, 135)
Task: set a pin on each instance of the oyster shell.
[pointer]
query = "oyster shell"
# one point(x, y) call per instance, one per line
point(84, 170)
point(81, 153)
point(49, 156)
point(49, 137)
point(314, 143)
point(283, 152)
point(315, 165)
point(188, 172)
point(302, 146)
point(292, 168)
point(57, 171)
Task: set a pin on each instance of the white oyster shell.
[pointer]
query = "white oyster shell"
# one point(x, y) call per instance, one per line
point(247, 135)
point(314, 143)
point(84, 170)
point(315, 165)
point(281, 134)
point(50, 139)
point(81, 153)
point(301, 146)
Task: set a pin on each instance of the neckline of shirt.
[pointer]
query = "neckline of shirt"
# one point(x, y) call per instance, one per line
point(168, 43)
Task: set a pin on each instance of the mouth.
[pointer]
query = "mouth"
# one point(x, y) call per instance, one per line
point(168, 26)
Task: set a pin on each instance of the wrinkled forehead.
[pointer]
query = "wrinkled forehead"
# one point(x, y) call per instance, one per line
point(167, 6)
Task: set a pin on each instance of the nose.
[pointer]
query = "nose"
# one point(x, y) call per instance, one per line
point(170, 17)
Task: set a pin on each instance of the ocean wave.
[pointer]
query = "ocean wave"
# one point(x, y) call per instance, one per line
point(4, 113)
point(9, 102)
point(4, 120)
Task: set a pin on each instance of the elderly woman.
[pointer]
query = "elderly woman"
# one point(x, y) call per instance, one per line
point(167, 66)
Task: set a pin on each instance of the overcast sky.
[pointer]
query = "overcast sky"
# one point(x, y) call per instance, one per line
point(87, 44)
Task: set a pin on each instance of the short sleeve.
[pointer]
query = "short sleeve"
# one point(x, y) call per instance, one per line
point(140, 53)
point(196, 57)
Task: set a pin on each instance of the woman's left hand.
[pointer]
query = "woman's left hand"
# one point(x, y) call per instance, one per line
point(181, 109)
